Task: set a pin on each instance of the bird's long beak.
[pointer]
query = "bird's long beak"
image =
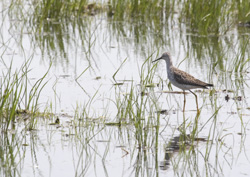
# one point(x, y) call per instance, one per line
point(157, 59)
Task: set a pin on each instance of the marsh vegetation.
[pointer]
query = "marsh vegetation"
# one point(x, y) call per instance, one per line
point(79, 94)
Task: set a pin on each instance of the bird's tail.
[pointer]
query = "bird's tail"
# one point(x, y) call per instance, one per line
point(210, 85)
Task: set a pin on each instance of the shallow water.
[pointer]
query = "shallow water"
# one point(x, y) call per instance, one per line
point(89, 140)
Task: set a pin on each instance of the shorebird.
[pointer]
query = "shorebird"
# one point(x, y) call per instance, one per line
point(182, 79)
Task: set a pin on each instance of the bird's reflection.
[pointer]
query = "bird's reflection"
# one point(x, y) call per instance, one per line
point(174, 146)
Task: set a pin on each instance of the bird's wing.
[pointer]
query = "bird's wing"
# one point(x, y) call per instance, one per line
point(185, 78)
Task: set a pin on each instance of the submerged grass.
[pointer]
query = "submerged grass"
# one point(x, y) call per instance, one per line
point(136, 115)
point(19, 102)
point(50, 22)
point(15, 95)
point(56, 9)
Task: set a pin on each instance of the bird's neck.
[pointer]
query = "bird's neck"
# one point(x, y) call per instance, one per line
point(170, 70)
point(169, 64)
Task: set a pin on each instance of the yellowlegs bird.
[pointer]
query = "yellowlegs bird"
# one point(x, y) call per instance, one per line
point(182, 79)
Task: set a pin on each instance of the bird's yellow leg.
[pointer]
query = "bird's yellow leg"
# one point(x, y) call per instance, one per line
point(196, 99)
point(184, 101)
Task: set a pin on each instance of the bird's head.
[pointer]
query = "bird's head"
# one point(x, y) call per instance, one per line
point(165, 56)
